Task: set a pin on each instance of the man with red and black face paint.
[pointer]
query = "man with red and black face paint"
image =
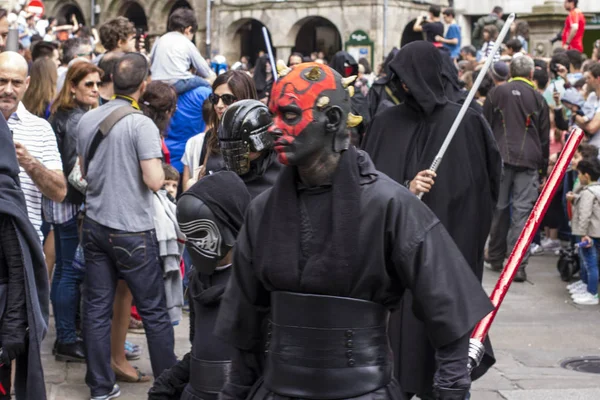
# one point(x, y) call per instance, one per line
point(307, 305)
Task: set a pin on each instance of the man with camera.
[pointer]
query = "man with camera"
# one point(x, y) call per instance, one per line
point(431, 25)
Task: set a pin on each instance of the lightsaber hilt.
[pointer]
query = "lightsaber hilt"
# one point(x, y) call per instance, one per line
point(531, 226)
point(270, 52)
point(476, 352)
point(471, 96)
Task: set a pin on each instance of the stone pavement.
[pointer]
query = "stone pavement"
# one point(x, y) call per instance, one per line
point(537, 327)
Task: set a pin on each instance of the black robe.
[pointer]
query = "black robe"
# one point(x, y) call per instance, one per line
point(404, 140)
point(29, 375)
point(400, 245)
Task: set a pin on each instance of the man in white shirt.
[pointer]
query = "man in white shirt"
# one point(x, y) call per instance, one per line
point(174, 54)
point(35, 142)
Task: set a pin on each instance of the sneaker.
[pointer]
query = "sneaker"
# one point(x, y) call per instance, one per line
point(587, 299)
point(535, 249)
point(579, 291)
point(574, 285)
point(551, 245)
point(114, 393)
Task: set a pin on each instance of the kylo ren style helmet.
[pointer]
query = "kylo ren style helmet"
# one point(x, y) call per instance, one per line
point(243, 130)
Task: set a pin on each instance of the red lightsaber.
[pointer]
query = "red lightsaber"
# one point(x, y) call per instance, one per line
point(476, 348)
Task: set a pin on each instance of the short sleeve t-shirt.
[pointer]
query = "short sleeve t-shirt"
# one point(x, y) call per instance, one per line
point(574, 17)
point(433, 29)
point(37, 136)
point(594, 102)
point(117, 196)
point(453, 33)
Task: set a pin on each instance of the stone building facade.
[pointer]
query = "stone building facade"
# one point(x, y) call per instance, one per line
point(304, 25)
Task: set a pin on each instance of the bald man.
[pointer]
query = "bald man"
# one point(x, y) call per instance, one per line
point(35, 141)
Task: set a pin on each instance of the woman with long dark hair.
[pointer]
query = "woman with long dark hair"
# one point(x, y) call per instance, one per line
point(159, 103)
point(228, 88)
point(78, 95)
point(42, 88)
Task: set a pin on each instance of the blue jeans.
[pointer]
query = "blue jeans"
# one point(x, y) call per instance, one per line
point(183, 85)
point(590, 259)
point(66, 281)
point(111, 254)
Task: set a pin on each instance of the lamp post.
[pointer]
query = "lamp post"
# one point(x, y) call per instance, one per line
point(208, 27)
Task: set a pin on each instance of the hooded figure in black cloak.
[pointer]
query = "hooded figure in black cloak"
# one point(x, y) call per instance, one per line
point(24, 291)
point(326, 253)
point(211, 214)
point(382, 95)
point(402, 142)
point(262, 80)
point(345, 65)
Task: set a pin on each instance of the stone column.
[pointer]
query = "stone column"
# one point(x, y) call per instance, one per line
point(545, 21)
point(283, 53)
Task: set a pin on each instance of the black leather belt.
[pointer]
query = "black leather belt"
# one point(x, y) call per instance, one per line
point(324, 347)
point(209, 376)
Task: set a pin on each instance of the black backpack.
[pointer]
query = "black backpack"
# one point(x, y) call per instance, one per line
point(568, 263)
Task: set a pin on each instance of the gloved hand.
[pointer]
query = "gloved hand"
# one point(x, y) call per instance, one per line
point(11, 350)
point(450, 394)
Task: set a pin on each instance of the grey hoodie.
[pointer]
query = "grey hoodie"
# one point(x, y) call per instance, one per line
point(586, 212)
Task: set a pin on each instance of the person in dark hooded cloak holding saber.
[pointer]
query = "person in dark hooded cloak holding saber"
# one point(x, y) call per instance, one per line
point(24, 287)
point(403, 141)
point(326, 253)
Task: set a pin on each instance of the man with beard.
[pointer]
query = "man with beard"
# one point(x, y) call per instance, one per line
point(23, 284)
point(325, 253)
point(403, 142)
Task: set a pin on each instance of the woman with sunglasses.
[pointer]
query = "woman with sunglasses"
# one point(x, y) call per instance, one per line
point(228, 88)
point(78, 95)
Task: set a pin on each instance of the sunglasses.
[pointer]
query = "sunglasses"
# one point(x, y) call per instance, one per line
point(91, 84)
point(228, 99)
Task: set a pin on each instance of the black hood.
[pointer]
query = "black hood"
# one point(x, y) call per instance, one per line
point(419, 65)
point(260, 73)
point(453, 87)
point(388, 60)
point(340, 59)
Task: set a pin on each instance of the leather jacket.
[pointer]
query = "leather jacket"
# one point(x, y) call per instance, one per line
point(64, 123)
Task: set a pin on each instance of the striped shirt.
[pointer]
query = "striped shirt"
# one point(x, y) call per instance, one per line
point(38, 137)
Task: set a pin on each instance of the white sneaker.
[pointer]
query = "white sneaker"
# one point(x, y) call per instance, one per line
point(545, 241)
point(574, 285)
point(587, 299)
point(551, 245)
point(579, 291)
point(535, 249)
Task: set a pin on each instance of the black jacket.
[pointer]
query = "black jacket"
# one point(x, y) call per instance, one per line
point(402, 245)
point(520, 119)
point(64, 123)
point(29, 374)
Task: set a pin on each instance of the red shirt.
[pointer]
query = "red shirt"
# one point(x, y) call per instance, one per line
point(574, 17)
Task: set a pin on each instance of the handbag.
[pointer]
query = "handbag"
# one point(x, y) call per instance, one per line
point(76, 178)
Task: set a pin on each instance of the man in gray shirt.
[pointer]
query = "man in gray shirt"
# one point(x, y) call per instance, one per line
point(119, 240)
point(174, 54)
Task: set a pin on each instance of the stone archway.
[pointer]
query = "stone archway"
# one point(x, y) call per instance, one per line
point(409, 35)
point(248, 39)
point(65, 12)
point(179, 4)
point(134, 12)
point(315, 33)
